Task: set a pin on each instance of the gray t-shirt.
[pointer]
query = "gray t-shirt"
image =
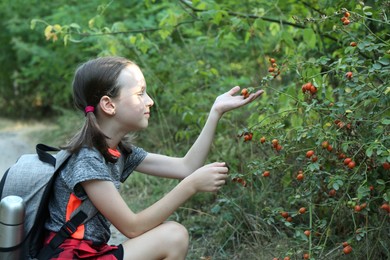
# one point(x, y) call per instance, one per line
point(88, 164)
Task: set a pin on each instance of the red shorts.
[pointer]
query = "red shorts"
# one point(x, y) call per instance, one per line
point(83, 249)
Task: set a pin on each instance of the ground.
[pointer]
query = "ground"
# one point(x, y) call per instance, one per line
point(17, 138)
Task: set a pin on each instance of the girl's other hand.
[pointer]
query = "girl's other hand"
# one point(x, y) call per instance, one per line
point(229, 100)
point(209, 178)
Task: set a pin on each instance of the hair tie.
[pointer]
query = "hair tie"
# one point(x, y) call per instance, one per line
point(89, 109)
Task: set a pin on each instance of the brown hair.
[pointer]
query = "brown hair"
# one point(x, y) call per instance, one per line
point(93, 80)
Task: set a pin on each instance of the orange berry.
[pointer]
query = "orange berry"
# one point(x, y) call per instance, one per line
point(306, 256)
point(278, 147)
point(244, 92)
point(345, 244)
point(349, 75)
point(347, 14)
point(262, 140)
point(272, 60)
point(300, 177)
point(289, 219)
point(313, 90)
point(271, 69)
point(302, 210)
point(307, 232)
point(358, 208)
point(353, 44)
point(266, 174)
point(284, 214)
point(325, 144)
point(275, 142)
point(329, 148)
point(314, 158)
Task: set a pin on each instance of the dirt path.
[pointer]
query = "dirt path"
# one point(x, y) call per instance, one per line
point(17, 138)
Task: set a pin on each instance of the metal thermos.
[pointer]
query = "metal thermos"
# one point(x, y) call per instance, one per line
point(12, 213)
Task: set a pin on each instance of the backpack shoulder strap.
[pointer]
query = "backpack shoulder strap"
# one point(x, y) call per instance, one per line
point(83, 213)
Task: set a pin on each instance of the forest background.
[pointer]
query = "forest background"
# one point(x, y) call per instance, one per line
point(309, 161)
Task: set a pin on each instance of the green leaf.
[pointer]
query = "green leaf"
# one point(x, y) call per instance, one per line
point(384, 61)
point(380, 182)
point(309, 37)
point(385, 121)
point(377, 66)
point(33, 23)
point(369, 151)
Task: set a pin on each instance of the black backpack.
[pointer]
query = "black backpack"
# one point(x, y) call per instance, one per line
point(32, 178)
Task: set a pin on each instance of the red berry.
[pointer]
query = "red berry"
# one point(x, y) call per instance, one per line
point(266, 174)
point(309, 153)
point(347, 249)
point(351, 165)
point(284, 214)
point(332, 193)
point(386, 207)
point(347, 161)
point(349, 75)
point(353, 44)
point(386, 165)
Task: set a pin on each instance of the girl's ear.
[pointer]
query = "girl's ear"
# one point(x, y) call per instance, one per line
point(107, 105)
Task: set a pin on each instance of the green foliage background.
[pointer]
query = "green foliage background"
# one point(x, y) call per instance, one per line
point(192, 51)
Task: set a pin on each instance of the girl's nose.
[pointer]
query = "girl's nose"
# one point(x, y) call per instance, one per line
point(149, 101)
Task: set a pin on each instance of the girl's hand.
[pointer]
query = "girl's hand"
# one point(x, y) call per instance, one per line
point(229, 101)
point(209, 178)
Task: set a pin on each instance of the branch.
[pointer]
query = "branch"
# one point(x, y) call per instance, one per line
point(146, 30)
point(253, 16)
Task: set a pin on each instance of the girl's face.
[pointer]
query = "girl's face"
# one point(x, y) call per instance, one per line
point(132, 106)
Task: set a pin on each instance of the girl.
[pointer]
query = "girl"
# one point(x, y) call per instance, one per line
point(111, 91)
